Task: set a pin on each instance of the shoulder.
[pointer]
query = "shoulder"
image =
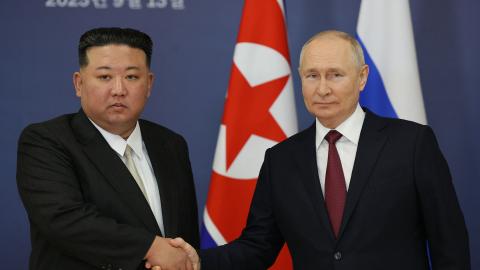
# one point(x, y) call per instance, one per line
point(400, 131)
point(157, 132)
point(52, 128)
point(53, 138)
point(300, 142)
point(393, 125)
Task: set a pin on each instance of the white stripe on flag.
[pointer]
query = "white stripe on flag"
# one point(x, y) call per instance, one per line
point(212, 229)
point(385, 29)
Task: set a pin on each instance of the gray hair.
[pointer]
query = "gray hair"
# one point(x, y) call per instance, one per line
point(357, 51)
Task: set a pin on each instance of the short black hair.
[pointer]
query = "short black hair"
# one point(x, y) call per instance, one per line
point(113, 35)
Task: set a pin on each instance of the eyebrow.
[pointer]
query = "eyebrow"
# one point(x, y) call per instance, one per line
point(109, 68)
point(330, 69)
point(133, 67)
point(309, 70)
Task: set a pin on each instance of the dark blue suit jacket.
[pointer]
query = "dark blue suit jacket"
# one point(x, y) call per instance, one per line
point(400, 196)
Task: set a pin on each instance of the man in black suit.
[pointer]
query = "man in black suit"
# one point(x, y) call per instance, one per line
point(354, 191)
point(104, 189)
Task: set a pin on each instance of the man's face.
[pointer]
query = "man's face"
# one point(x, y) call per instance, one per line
point(114, 86)
point(331, 80)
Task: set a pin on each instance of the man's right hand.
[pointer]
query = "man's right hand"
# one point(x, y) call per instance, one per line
point(191, 252)
point(163, 254)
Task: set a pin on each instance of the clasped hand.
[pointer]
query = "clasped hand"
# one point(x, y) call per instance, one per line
point(171, 254)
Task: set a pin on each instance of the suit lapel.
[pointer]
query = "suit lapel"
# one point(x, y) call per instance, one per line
point(371, 142)
point(160, 157)
point(307, 162)
point(111, 166)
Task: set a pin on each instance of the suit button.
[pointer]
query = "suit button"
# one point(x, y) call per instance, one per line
point(337, 256)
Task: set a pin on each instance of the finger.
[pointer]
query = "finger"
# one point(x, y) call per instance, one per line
point(196, 266)
point(188, 265)
point(192, 253)
point(177, 242)
point(156, 267)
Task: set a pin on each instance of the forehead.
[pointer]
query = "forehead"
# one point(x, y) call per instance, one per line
point(331, 52)
point(115, 54)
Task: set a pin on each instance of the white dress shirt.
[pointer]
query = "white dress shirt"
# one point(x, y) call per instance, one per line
point(346, 145)
point(142, 163)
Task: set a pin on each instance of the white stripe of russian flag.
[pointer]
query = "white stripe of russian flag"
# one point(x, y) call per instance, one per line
point(385, 30)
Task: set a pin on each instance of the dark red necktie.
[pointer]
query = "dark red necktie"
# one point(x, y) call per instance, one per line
point(335, 189)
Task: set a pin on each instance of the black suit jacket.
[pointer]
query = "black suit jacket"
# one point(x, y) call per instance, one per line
point(84, 207)
point(400, 196)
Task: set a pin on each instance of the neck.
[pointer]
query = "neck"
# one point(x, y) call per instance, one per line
point(123, 131)
point(335, 122)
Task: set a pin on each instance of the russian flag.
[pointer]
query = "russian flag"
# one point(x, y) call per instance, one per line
point(393, 88)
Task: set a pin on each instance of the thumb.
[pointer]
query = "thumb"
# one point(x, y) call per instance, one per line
point(177, 242)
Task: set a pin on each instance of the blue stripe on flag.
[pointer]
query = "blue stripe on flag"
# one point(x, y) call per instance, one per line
point(374, 96)
point(206, 240)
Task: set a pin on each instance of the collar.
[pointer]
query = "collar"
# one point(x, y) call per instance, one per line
point(118, 144)
point(350, 128)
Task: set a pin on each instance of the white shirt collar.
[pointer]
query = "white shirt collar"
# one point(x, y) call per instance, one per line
point(350, 128)
point(118, 144)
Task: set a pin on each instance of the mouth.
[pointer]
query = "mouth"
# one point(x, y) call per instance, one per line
point(118, 105)
point(323, 103)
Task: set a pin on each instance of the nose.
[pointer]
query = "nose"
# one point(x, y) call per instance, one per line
point(118, 88)
point(323, 89)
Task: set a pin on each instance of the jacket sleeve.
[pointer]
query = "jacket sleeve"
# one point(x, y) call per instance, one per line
point(61, 213)
point(260, 241)
point(189, 211)
point(443, 219)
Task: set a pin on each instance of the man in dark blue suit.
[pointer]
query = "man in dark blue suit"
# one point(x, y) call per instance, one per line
point(354, 190)
point(103, 189)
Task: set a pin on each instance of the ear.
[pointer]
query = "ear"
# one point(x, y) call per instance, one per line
point(363, 76)
point(150, 80)
point(78, 83)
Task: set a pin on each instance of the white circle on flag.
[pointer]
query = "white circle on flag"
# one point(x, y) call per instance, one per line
point(259, 64)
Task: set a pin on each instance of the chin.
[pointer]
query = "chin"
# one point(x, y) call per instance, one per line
point(324, 113)
point(119, 120)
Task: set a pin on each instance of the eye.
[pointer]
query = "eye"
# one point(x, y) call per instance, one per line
point(104, 77)
point(311, 76)
point(131, 77)
point(335, 75)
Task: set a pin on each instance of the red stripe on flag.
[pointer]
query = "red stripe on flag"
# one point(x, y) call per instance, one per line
point(263, 23)
point(228, 204)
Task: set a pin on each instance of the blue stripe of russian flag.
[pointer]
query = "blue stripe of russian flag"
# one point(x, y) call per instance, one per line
point(374, 96)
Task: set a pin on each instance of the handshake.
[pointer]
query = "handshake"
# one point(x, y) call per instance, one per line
point(169, 254)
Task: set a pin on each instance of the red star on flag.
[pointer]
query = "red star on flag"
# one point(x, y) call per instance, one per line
point(247, 112)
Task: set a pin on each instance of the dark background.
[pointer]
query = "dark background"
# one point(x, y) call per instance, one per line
point(192, 60)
